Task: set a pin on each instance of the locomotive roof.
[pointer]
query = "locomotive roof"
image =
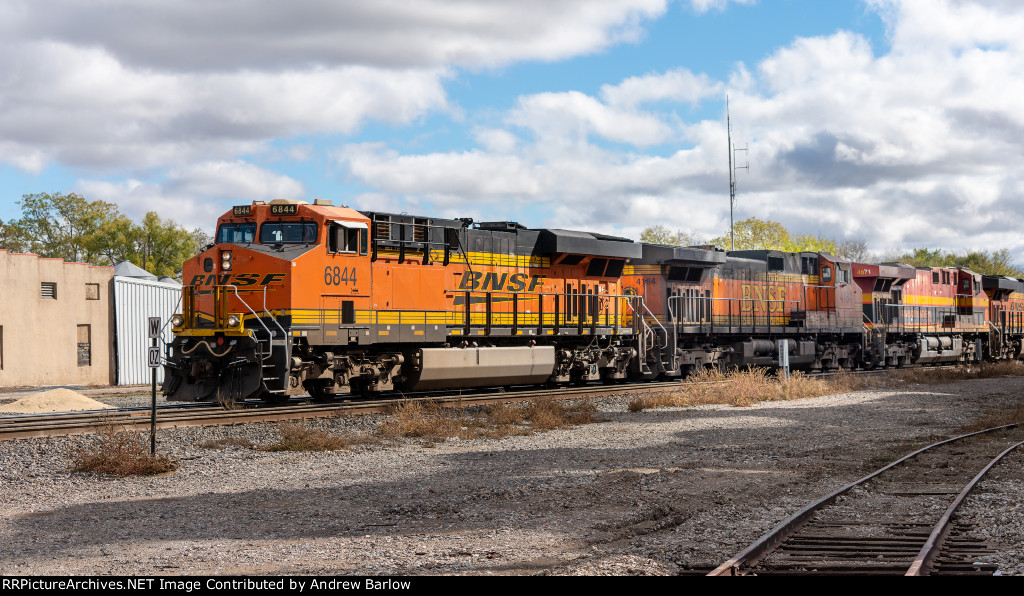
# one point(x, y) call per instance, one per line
point(1002, 282)
point(774, 261)
point(661, 254)
point(501, 236)
point(885, 271)
point(762, 255)
point(588, 243)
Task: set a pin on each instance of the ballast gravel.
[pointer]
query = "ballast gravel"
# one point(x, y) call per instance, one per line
point(658, 492)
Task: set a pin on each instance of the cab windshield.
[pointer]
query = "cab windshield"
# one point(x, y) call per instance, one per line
point(236, 233)
point(288, 232)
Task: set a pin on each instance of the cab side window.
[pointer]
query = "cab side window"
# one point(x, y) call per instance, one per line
point(341, 239)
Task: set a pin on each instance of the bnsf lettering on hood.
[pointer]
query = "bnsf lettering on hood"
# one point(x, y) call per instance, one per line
point(237, 279)
point(496, 282)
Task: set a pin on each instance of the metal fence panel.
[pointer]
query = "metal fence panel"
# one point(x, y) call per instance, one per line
point(135, 300)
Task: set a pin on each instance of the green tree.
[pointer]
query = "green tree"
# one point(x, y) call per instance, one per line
point(74, 229)
point(164, 245)
point(62, 226)
point(12, 237)
point(984, 262)
point(755, 234)
point(854, 250)
point(662, 235)
point(157, 245)
point(202, 240)
point(117, 240)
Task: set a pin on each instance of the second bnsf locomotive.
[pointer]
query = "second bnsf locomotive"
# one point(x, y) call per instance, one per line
point(297, 298)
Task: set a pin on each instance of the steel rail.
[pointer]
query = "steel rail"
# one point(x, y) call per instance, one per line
point(758, 550)
point(19, 427)
point(189, 414)
point(926, 558)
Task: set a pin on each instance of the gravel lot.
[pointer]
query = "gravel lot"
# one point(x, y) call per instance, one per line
point(650, 493)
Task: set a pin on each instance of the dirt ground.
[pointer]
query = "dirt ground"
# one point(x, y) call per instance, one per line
point(657, 492)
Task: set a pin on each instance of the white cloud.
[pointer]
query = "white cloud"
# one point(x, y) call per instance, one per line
point(236, 179)
point(570, 117)
point(135, 198)
point(81, 107)
point(914, 147)
point(679, 85)
point(186, 35)
point(150, 89)
point(194, 195)
point(702, 6)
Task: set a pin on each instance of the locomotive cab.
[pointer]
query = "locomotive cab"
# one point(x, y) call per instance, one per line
point(239, 322)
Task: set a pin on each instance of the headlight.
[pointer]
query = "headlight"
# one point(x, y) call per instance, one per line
point(233, 321)
point(225, 260)
point(177, 321)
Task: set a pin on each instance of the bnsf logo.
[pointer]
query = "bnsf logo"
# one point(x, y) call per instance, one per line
point(478, 280)
point(238, 279)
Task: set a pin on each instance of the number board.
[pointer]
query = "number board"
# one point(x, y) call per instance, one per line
point(284, 209)
point(242, 210)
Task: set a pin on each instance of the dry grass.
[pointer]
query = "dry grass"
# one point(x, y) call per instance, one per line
point(433, 422)
point(297, 436)
point(749, 386)
point(548, 413)
point(227, 442)
point(120, 453)
point(994, 419)
point(960, 373)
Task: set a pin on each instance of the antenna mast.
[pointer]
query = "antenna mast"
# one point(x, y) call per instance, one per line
point(732, 173)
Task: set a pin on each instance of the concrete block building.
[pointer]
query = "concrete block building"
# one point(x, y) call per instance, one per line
point(56, 322)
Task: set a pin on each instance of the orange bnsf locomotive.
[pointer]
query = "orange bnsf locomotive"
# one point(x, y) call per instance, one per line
point(298, 298)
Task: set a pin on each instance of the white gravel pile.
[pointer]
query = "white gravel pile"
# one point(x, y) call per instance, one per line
point(54, 400)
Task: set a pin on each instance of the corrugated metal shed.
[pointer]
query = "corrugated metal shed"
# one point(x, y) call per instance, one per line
point(135, 300)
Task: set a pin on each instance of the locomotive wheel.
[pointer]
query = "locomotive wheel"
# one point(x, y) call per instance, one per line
point(362, 388)
point(318, 390)
point(273, 399)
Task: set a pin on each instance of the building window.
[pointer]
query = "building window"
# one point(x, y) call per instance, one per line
point(84, 345)
point(1, 347)
point(92, 291)
point(48, 290)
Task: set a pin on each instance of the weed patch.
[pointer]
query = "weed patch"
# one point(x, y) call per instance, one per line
point(227, 442)
point(432, 422)
point(994, 419)
point(120, 453)
point(296, 436)
point(749, 386)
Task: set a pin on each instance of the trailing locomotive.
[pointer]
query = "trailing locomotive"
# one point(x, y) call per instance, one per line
point(299, 298)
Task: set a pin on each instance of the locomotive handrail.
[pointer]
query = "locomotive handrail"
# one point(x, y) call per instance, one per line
point(402, 242)
point(514, 318)
point(270, 336)
point(642, 318)
point(270, 314)
point(828, 307)
point(753, 317)
point(919, 324)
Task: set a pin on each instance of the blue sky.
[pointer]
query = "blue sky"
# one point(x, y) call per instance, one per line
point(888, 121)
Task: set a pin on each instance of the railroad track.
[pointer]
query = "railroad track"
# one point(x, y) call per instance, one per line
point(70, 423)
point(897, 520)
